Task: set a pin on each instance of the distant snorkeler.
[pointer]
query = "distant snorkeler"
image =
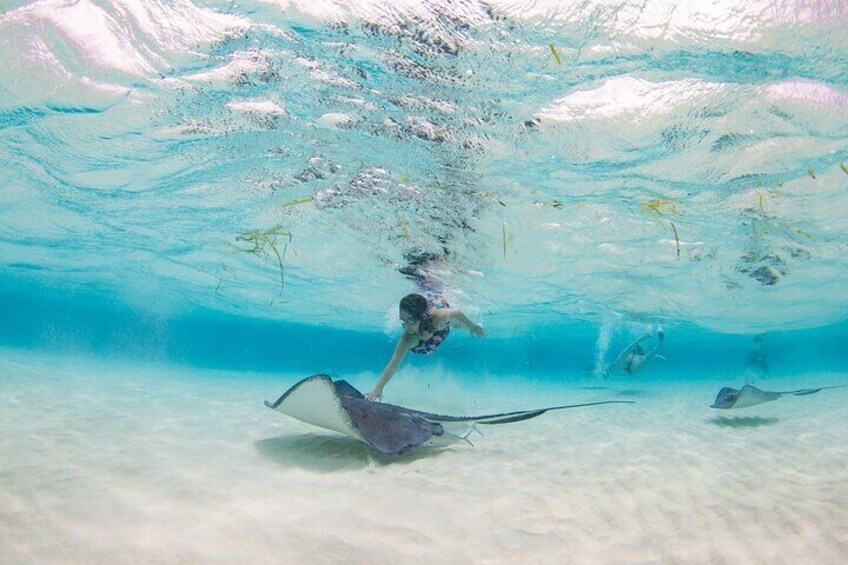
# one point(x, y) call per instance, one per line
point(756, 362)
point(426, 318)
point(634, 358)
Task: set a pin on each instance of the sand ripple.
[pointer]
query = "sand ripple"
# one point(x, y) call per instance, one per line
point(125, 464)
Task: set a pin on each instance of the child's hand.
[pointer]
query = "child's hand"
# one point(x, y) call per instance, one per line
point(375, 395)
point(477, 330)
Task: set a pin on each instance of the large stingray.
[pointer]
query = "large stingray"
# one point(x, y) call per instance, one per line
point(391, 429)
point(751, 396)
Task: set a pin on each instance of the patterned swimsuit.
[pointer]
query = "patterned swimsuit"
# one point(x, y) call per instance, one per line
point(429, 345)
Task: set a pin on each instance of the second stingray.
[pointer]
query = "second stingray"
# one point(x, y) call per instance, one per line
point(748, 395)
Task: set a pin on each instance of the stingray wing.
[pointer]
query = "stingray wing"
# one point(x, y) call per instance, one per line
point(388, 428)
point(748, 395)
point(314, 400)
point(725, 398)
point(339, 407)
point(751, 396)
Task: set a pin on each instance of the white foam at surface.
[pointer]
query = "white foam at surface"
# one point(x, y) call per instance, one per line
point(130, 38)
point(256, 106)
point(241, 62)
point(740, 22)
point(377, 11)
point(626, 98)
point(807, 91)
point(101, 39)
point(36, 64)
point(335, 119)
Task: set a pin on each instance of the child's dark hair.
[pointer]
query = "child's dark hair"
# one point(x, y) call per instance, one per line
point(416, 305)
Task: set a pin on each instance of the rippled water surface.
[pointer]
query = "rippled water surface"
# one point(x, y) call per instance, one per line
point(600, 161)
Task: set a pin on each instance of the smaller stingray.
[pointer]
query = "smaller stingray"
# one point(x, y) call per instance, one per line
point(391, 429)
point(751, 396)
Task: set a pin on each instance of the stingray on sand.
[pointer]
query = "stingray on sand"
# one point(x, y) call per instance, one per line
point(394, 430)
point(751, 396)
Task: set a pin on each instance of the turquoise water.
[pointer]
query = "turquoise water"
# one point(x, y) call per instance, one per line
point(580, 167)
point(203, 202)
point(79, 321)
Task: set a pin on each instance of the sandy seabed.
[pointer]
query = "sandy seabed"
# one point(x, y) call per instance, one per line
point(105, 462)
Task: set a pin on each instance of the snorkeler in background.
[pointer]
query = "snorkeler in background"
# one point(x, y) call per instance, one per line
point(633, 358)
point(756, 362)
point(426, 320)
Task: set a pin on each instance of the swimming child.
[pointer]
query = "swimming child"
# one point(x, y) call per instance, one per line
point(633, 358)
point(426, 320)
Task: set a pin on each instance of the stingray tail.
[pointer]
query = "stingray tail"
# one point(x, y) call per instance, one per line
point(806, 391)
point(511, 417)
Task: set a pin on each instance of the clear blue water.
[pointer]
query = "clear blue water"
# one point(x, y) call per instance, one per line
point(204, 201)
point(86, 322)
point(587, 171)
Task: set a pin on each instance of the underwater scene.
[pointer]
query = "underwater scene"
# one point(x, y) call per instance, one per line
point(423, 281)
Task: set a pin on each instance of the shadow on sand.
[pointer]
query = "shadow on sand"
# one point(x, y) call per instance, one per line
point(632, 393)
point(330, 453)
point(743, 421)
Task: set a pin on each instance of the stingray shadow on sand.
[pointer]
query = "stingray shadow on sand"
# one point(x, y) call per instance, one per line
point(324, 453)
point(740, 422)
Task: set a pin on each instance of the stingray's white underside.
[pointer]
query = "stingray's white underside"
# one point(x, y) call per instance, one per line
point(315, 402)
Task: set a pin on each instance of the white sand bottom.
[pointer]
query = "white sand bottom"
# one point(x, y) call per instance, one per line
point(115, 463)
